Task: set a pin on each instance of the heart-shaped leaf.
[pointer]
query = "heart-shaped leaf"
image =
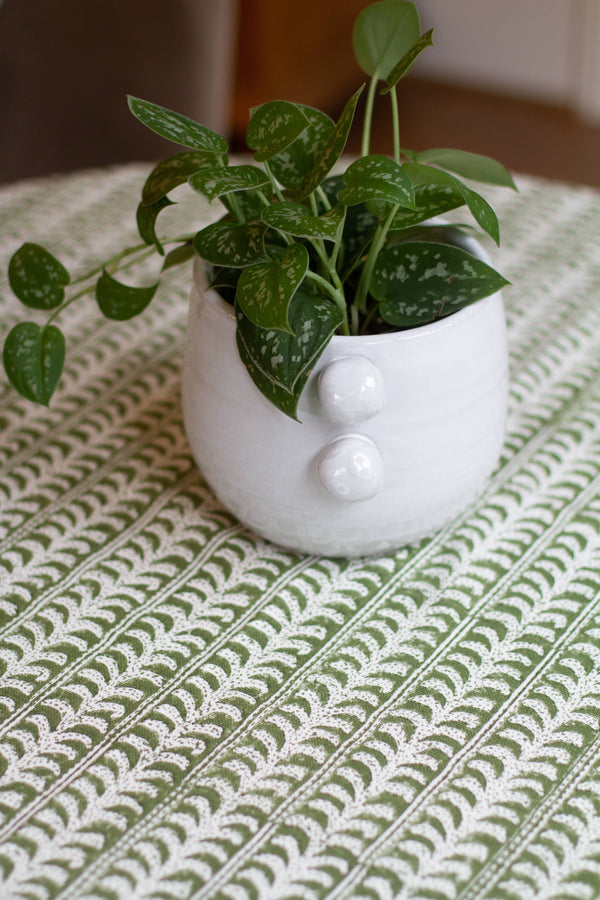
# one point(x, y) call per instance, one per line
point(273, 127)
point(146, 221)
point(292, 165)
point(468, 165)
point(430, 200)
point(280, 363)
point(419, 282)
point(37, 278)
point(175, 127)
point(331, 151)
point(232, 244)
point(265, 290)
point(120, 301)
point(176, 170)
point(34, 359)
point(359, 223)
point(295, 219)
point(384, 33)
point(482, 212)
point(377, 178)
point(435, 193)
point(215, 182)
point(406, 63)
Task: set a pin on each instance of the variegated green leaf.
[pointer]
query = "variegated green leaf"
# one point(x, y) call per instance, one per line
point(36, 277)
point(292, 165)
point(377, 178)
point(175, 170)
point(406, 63)
point(359, 223)
point(482, 212)
point(175, 127)
point(232, 244)
point(273, 127)
point(332, 150)
point(430, 200)
point(278, 362)
point(418, 282)
point(215, 182)
point(33, 359)
point(383, 33)
point(121, 301)
point(296, 220)
point(435, 193)
point(265, 290)
point(468, 165)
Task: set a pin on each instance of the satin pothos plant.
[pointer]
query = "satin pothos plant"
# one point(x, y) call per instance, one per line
point(301, 251)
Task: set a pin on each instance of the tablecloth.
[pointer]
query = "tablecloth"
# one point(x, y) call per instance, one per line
point(188, 711)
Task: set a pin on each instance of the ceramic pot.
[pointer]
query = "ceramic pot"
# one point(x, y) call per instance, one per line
point(398, 434)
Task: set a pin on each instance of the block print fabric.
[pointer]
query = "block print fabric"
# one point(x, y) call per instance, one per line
point(187, 711)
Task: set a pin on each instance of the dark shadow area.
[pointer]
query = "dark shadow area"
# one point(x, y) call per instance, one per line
point(67, 65)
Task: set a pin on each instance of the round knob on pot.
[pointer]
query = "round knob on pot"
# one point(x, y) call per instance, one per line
point(351, 390)
point(351, 468)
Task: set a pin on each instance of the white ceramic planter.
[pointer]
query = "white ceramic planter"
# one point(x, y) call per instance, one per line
point(399, 432)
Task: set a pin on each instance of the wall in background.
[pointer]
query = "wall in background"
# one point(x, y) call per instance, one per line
point(545, 50)
point(295, 51)
point(67, 65)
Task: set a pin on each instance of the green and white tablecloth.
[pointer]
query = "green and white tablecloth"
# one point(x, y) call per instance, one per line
point(188, 711)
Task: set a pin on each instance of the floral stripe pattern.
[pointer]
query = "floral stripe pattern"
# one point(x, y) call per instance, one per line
point(187, 711)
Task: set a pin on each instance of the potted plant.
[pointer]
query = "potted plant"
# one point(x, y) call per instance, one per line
point(345, 381)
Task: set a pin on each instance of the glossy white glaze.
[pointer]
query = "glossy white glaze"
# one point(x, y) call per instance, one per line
point(350, 468)
point(439, 434)
point(351, 390)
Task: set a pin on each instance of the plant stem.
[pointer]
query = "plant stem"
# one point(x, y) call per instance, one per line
point(129, 251)
point(332, 261)
point(68, 302)
point(335, 294)
point(368, 120)
point(395, 124)
point(235, 207)
point(319, 243)
point(360, 300)
point(334, 258)
point(323, 198)
point(329, 264)
point(262, 197)
point(319, 246)
point(276, 187)
point(113, 262)
point(132, 262)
